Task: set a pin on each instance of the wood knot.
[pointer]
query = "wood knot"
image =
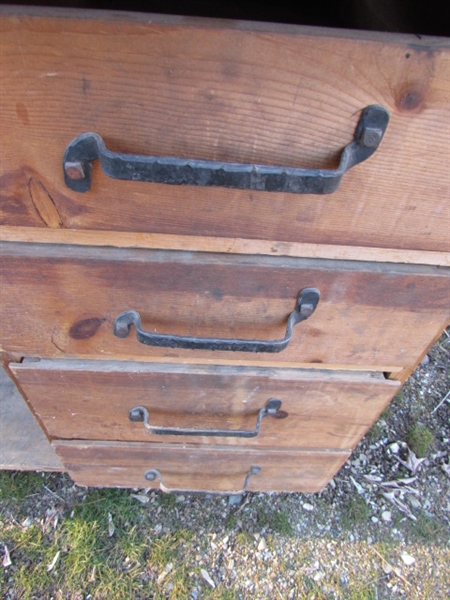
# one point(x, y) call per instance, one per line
point(86, 328)
point(44, 204)
point(410, 99)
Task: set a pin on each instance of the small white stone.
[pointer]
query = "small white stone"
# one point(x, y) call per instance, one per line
point(386, 516)
point(207, 578)
point(374, 519)
point(308, 507)
point(407, 559)
point(394, 448)
point(318, 576)
point(262, 545)
point(158, 529)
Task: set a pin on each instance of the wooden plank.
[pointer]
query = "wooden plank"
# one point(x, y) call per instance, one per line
point(23, 444)
point(123, 239)
point(89, 400)
point(62, 302)
point(232, 92)
point(191, 467)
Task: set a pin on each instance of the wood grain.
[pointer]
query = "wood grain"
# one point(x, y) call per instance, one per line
point(123, 239)
point(193, 467)
point(90, 400)
point(232, 92)
point(61, 301)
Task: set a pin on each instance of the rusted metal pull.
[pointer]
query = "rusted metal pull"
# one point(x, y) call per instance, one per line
point(307, 302)
point(79, 154)
point(154, 474)
point(271, 408)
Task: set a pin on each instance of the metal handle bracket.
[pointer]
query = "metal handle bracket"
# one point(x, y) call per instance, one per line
point(307, 302)
point(153, 474)
point(87, 147)
point(271, 408)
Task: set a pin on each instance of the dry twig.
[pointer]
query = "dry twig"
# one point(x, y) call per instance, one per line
point(394, 569)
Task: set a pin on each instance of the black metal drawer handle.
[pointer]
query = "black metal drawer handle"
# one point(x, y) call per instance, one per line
point(81, 151)
point(154, 474)
point(307, 302)
point(271, 408)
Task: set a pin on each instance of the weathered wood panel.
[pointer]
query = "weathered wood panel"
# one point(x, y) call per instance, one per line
point(232, 92)
point(63, 301)
point(193, 467)
point(90, 400)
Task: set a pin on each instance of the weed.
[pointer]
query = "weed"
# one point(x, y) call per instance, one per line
point(357, 512)
point(18, 485)
point(375, 432)
point(167, 500)
point(420, 440)
point(276, 521)
point(231, 522)
point(426, 529)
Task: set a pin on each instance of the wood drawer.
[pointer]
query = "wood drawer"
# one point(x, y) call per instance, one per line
point(226, 91)
point(197, 468)
point(91, 400)
point(62, 302)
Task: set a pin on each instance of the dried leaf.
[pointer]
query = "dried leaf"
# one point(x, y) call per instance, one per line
point(111, 528)
point(396, 482)
point(359, 488)
point(6, 562)
point(207, 578)
point(373, 478)
point(54, 561)
point(412, 463)
point(141, 498)
point(392, 497)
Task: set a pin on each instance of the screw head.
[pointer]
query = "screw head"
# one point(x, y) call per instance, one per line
point(74, 170)
point(371, 137)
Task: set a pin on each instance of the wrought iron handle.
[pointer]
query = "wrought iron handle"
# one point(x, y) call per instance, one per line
point(153, 474)
point(307, 302)
point(81, 151)
point(271, 408)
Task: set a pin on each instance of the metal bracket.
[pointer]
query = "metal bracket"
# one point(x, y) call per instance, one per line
point(307, 302)
point(154, 474)
point(79, 154)
point(140, 414)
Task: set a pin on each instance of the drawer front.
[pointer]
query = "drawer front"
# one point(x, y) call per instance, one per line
point(240, 93)
point(63, 302)
point(92, 400)
point(197, 468)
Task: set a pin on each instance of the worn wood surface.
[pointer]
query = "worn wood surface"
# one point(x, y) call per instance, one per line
point(23, 444)
point(224, 91)
point(125, 239)
point(61, 301)
point(90, 400)
point(197, 467)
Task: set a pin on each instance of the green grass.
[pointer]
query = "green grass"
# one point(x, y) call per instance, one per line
point(356, 512)
point(420, 440)
point(16, 485)
point(133, 562)
point(276, 521)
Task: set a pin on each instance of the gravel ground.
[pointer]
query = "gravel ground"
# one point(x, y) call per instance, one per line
point(379, 530)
